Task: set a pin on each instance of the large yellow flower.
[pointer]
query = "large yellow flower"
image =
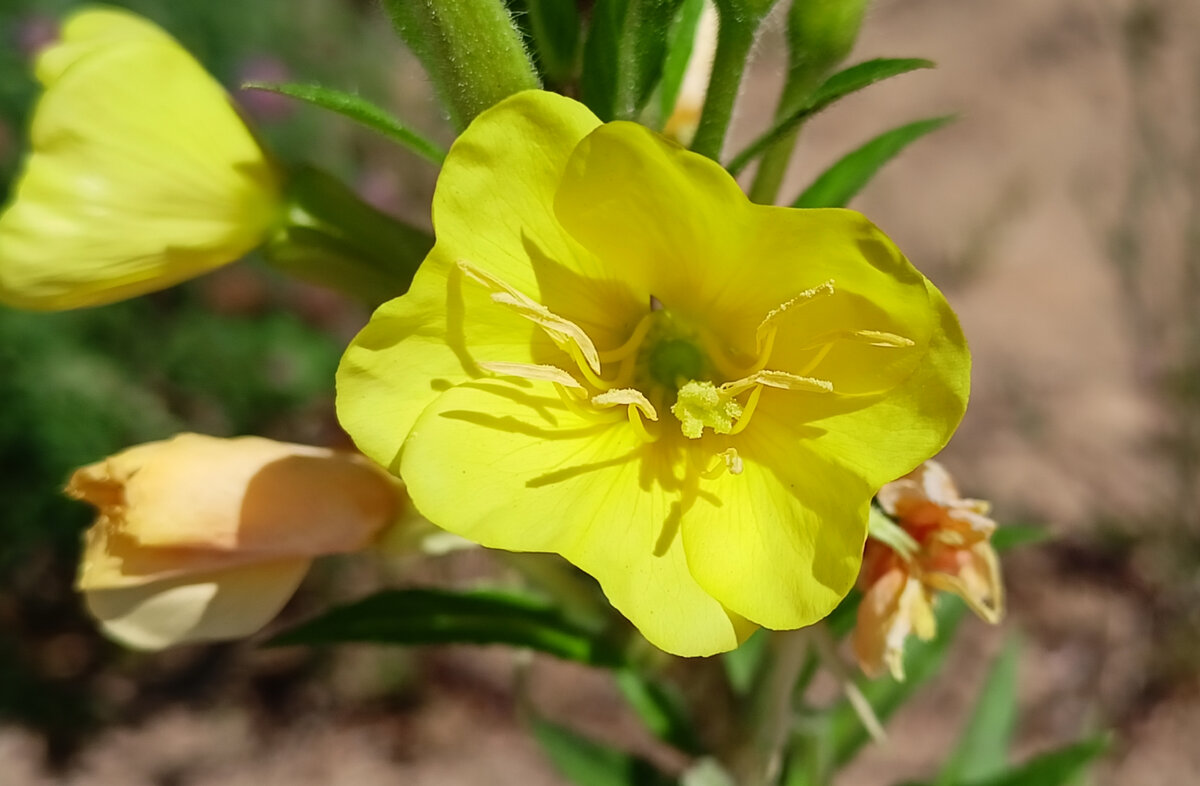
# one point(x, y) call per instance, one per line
point(141, 172)
point(613, 355)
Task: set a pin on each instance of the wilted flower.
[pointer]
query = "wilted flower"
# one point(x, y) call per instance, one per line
point(613, 355)
point(200, 538)
point(950, 552)
point(141, 172)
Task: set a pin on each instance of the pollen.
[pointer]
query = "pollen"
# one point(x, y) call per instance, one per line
point(703, 404)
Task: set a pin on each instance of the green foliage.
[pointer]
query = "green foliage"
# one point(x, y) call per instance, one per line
point(428, 616)
point(681, 41)
point(982, 750)
point(838, 184)
point(624, 54)
point(361, 111)
point(660, 708)
point(838, 86)
point(553, 27)
point(588, 763)
point(922, 660)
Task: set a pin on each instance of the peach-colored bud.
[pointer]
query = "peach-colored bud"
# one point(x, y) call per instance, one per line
point(201, 538)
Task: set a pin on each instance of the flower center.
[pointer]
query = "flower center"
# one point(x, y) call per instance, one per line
point(670, 355)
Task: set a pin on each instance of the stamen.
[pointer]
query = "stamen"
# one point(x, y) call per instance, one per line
point(778, 379)
point(563, 332)
point(727, 460)
point(635, 420)
point(747, 411)
point(768, 327)
point(632, 343)
point(532, 371)
point(628, 396)
point(583, 409)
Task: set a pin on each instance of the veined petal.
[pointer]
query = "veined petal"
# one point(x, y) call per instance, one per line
point(142, 174)
point(780, 543)
point(545, 479)
point(882, 438)
point(665, 220)
point(223, 604)
point(492, 208)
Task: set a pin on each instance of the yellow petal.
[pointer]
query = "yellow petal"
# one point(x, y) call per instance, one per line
point(225, 604)
point(780, 543)
point(141, 174)
point(541, 478)
point(651, 210)
point(492, 208)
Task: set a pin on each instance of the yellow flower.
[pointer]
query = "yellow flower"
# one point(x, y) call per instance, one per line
point(141, 173)
point(611, 354)
point(200, 538)
point(952, 553)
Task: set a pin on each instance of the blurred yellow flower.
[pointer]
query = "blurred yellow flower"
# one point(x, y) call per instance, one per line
point(200, 538)
point(951, 553)
point(141, 173)
point(612, 355)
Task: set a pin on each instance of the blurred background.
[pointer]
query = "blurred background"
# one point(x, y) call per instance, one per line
point(1060, 214)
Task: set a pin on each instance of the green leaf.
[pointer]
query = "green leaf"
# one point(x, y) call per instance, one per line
point(428, 616)
point(838, 184)
point(623, 56)
point(982, 750)
point(840, 85)
point(1011, 536)
point(588, 763)
point(680, 42)
point(661, 710)
point(922, 660)
point(361, 111)
point(1056, 768)
point(742, 664)
point(554, 27)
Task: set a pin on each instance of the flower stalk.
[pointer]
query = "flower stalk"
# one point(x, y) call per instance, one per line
point(735, 37)
point(470, 48)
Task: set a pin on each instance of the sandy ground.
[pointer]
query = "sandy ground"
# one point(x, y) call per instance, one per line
point(1055, 215)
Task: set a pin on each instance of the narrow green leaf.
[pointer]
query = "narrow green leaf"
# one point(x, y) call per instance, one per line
point(982, 750)
point(623, 55)
point(922, 660)
point(840, 85)
point(588, 763)
point(427, 616)
point(680, 42)
point(661, 710)
point(554, 27)
point(361, 111)
point(838, 184)
point(1011, 536)
point(1056, 768)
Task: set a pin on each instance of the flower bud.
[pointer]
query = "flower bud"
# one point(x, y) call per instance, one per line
point(200, 538)
point(821, 33)
point(141, 172)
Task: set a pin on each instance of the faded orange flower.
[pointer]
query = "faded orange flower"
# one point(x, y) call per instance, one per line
point(950, 551)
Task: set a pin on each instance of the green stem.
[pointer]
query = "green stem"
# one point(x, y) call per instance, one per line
point(471, 49)
point(774, 164)
point(735, 37)
point(771, 709)
point(329, 236)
